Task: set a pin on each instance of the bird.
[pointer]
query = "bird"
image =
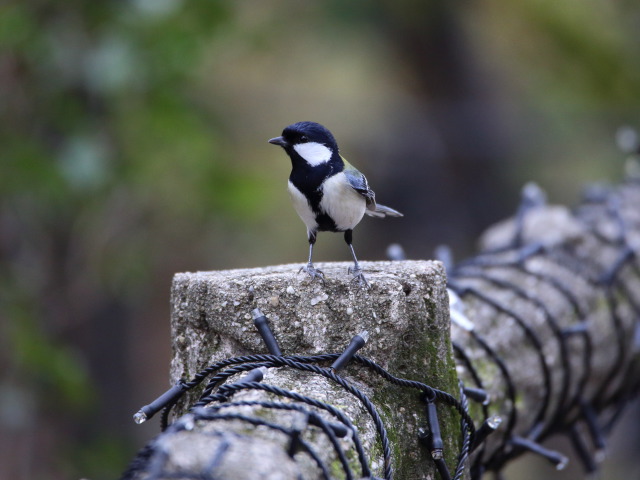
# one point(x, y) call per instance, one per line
point(328, 193)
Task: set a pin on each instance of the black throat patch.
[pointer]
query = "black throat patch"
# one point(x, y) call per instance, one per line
point(308, 179)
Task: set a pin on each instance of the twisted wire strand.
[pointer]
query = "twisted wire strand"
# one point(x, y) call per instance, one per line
point(563, 393)
point(438, 394)
point(377, 420)
point(466, 437)
point(581, 315)
point(324, 425)
point(303, 399)
point(512, 416)
point(466, 361)
point(531, 336)
point(364, 463)
point(608, 281)
point(296, 361)
point(203, 414)
point(237, 365)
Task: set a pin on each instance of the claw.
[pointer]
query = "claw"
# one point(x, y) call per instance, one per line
point(359, 277)
point(312, 272)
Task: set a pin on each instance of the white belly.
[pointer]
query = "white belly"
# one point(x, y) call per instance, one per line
point(302, 207)
point(342, 203)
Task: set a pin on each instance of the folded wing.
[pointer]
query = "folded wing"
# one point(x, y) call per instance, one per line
point(359, 183)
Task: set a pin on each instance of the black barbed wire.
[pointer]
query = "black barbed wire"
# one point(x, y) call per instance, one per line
point(330, 429)
point(573, 409)
point(218, 395)
point(292, 433)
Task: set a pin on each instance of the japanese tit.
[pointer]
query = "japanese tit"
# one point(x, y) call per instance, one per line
point(328, 193)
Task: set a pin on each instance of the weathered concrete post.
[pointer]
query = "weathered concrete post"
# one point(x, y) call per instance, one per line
point(405, 313)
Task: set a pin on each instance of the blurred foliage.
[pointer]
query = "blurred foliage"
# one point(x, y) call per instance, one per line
point(133, 135)
point(100, 138)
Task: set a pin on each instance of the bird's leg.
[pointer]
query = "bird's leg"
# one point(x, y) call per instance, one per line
point(358, 276)
point(309, 268)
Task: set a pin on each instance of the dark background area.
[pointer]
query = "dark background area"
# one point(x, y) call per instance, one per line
point(133, 145)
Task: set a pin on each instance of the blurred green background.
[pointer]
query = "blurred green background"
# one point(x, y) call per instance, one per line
point(133, 145)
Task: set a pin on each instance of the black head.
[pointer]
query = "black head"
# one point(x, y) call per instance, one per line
point(309, 140)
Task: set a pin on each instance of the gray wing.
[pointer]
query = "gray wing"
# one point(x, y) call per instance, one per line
point(359, 183)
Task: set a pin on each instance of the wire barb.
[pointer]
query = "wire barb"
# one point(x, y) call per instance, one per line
point(167, 398)
point(356, 344)
point(262, 324)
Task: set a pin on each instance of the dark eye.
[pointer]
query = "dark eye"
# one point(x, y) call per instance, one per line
point(304, 139)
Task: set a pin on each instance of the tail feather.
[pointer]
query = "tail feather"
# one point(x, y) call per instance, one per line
point(382, 211)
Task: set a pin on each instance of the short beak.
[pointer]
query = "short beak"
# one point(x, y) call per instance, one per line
point(279, 141)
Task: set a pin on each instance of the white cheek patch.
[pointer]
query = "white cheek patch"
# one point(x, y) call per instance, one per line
point(314, 153)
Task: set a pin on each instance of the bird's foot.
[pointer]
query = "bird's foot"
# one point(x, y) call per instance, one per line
point(358, 277)
point(312, 272)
